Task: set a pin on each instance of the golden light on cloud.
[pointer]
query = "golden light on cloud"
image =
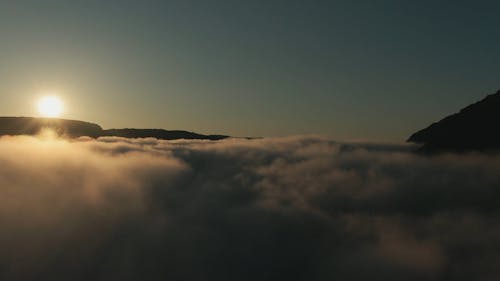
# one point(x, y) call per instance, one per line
point(50, 106)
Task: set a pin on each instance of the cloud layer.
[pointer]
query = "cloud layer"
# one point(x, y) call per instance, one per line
point(298, 208)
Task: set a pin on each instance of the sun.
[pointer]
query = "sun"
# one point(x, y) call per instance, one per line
point(50, 106)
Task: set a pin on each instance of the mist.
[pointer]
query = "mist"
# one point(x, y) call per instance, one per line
point(295, 208)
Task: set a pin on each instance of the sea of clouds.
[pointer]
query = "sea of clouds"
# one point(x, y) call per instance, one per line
point(296, 208)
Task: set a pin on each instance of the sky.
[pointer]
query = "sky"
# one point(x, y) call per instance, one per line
point(357, 70)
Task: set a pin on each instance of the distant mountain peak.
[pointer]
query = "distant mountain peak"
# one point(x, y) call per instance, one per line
point(474, 127)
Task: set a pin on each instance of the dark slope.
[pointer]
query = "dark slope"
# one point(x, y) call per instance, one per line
point(159, 134)
point(473, 128)
point(32, 126)
point(72, 128)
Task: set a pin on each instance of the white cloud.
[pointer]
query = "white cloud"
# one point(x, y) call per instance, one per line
point(301, 208)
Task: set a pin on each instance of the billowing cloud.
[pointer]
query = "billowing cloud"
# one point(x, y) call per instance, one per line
point(297, 208)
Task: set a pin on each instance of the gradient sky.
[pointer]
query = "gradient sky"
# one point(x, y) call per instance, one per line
point(371, 70)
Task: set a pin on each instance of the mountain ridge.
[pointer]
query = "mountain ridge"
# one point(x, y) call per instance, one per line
point(75, 128)
point(474, 127)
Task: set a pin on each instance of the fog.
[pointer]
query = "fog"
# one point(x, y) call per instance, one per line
point(296, 208)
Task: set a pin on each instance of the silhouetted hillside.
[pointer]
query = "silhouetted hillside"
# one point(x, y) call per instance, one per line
point(160, 134)
point(473, 128)
point(32, 126)
point(73, 128)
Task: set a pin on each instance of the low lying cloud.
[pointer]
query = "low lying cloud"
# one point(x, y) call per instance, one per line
point(298, 208)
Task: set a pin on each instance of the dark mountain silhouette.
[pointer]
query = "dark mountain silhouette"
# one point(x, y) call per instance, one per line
point(33, 126)
point(475, 127)
point(160, 134)
point(72, 128)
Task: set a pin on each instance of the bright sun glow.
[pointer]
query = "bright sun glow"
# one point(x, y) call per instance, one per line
point(50, 106)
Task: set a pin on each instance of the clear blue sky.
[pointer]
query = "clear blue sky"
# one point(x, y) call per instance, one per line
point(372, 70)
